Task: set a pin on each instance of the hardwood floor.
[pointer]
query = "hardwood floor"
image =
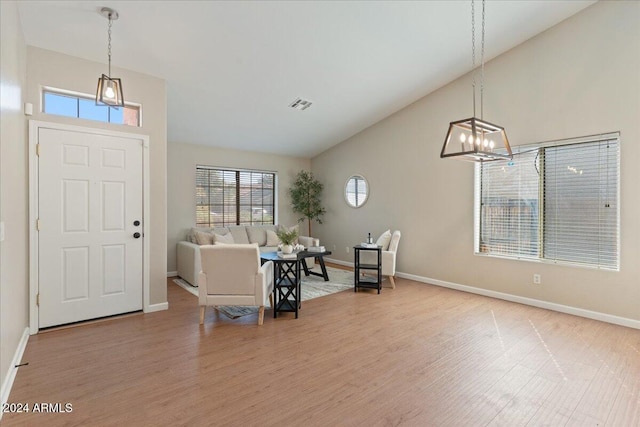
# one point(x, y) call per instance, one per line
point(418, 355)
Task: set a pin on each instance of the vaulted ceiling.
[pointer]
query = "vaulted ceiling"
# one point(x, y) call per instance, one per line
point(233, 67)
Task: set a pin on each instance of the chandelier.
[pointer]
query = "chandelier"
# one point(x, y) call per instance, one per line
point(475, 139)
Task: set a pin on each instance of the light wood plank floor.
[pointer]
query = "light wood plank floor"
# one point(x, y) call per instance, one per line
point(419, 355)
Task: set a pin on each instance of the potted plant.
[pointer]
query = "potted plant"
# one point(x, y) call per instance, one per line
point(288, 237)
point(306, 198)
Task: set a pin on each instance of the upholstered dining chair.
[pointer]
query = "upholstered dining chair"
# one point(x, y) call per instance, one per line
point(232, 275)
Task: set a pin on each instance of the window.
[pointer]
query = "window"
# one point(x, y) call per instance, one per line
point(356, 191)
point(554, 201)
point(234, 197)
point(82, 106)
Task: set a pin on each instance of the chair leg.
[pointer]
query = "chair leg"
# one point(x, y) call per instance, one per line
point(202, 308)
point(393, 282)
point(261, 315)
point(271, 299)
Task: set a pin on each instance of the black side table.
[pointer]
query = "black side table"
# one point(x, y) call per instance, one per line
point(286, 282)
point(366, 281)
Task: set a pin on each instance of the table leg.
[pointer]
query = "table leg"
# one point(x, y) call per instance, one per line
point(324, 269)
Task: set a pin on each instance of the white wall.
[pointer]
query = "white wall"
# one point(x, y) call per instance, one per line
point(181, 174)
point(52, 69)
point(581, 77)
point(14, 290)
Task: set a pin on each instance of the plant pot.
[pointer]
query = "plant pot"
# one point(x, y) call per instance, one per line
point(287, 249)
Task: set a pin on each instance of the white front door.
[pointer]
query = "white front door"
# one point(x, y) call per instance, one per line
point(90, 225)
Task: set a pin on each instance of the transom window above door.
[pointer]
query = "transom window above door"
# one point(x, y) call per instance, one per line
point(82, 106)
point(234, 197)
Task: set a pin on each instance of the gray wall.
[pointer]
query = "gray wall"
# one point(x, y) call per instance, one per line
point(14, 289)
point(181, 174)
point(581, 77)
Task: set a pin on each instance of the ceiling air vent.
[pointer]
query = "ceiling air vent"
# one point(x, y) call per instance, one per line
point(301, 104)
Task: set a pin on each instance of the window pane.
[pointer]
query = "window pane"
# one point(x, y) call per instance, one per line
point(60, 105)
point(509, 206)
point(89, 110)
point(581, 206)
point(116, 115)
point(84, 107)
point(131, 116)
point(236, 197)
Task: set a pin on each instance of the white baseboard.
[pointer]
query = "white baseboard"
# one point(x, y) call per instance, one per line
point(157, 307)
point(595, 315)
point(339, 262)
point(172, 273)
point(11, 373)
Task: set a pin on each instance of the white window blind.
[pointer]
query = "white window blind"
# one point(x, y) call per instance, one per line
point(555, 201)
point(234, 197)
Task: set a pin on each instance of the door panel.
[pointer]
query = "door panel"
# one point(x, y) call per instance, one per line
point(75, 274)
point(90, 194)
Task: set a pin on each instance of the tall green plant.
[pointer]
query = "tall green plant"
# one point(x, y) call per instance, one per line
point(306, 198)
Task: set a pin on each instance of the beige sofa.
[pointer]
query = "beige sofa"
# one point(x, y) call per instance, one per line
point(188, 250)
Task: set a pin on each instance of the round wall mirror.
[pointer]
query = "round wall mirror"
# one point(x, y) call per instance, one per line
point(356, 191)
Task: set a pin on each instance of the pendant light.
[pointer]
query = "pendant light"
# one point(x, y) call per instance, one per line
point(109, 90)
point(475, 139)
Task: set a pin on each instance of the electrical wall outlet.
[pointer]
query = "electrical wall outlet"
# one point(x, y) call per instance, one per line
point(347, 249)
point(537, 279)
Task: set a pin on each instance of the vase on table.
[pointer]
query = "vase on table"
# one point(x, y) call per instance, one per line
point(287, 249)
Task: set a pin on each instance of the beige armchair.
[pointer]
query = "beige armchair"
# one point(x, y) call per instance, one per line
point(232, 275)
point(388, 256)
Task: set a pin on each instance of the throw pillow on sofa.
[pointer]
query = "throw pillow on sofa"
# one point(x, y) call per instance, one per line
point(257, 235)
point(272, 238)
point(203, 238)
point(227, 239)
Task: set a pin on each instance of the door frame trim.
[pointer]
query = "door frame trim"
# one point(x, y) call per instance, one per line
point(34, 126)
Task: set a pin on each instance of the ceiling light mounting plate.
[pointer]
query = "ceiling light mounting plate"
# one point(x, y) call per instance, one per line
point(109, 13)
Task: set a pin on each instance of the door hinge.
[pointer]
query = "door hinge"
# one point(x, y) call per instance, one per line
point(38, 150)
point(38, 224)
point(38, 299)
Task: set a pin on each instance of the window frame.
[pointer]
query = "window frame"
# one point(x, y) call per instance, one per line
point(87, 97)
point(238, 204)
point(540, 257)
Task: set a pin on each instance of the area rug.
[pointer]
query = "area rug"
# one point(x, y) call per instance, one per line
point(311, 286)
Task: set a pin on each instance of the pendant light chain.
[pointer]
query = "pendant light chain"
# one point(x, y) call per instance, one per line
point(473, 58)
point(473, 54)
point(109, 48)
point(482, 66)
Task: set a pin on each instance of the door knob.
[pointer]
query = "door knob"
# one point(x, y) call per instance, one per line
point(136, 223)
point(136, 235)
